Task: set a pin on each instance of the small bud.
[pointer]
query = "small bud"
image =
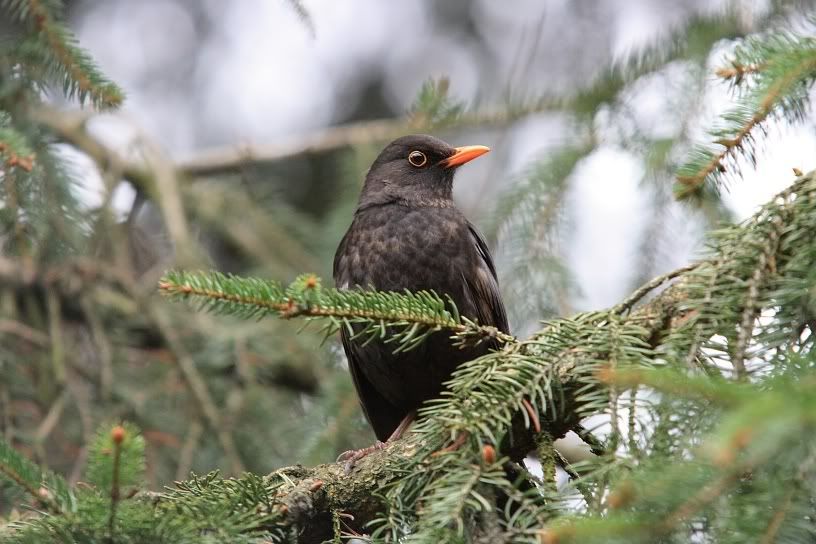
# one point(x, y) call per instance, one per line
point(488, 454)
point(311, 282)
point(44, 494)
point(621, 496)
point(723, 457)
point(605, 374)
point(118, 434)
point(548, 536)
point(26, 163)
point(742, 438)
point(797, 172)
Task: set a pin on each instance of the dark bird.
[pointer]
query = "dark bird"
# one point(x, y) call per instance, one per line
point(407, 233)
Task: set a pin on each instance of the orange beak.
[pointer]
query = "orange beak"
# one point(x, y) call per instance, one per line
point(465, 154)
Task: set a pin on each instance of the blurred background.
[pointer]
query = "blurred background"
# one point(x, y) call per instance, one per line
point(265, 114)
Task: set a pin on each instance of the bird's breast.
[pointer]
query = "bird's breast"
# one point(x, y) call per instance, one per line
point(394, 248)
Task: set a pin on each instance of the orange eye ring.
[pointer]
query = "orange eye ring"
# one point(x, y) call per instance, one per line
point(417, 158)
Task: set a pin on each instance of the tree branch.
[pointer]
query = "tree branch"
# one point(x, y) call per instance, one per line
point(70, 127)
point(314, 496)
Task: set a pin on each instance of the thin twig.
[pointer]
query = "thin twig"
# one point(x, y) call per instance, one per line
point(779, 516)
point(216, 160)
point(117, 438)
point(196, 385)
point(51, 419)
point(6, 410)
point(650, 286)
point(24, 332)
point(697, 501)
point(187, 453)
point(738, 71)
point(55, 332)
point(564, 463)
point(750, 311)
point(634, 450)
point(731, 145)
point(548, 458)
point(596, 445)
point(70, 126)
point(103, 348)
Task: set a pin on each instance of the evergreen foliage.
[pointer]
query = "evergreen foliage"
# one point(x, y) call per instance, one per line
point(772, 75)
point(694, 393)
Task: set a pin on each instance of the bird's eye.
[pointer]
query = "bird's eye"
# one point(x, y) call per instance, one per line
point(417, 158)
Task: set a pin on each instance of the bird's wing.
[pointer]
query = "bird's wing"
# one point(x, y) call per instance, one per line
point(380, 413)
point(483, 286)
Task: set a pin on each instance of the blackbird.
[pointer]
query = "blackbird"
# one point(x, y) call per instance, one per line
point(407, 233)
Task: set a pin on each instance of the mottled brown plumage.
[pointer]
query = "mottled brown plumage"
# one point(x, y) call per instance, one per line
point(408, 234)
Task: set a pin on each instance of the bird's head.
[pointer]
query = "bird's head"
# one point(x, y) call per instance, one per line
point(416, 169)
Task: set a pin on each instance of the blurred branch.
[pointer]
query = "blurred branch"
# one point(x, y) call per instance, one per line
point(71, 127)
point(216, 160)
point(156, 176)
point(785, 68)
point(737, 71)
point(196, 385)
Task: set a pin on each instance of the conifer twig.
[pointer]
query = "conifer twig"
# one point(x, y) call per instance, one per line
point(82, 77)
point(650, 286)
point(737, 71)
point(197, 387)
point(769, 537)
point(787, 67)
point(23, 472)
point(117, 437)
point(11, 157)
point(305, 298)
point(746, 327)
point(596, 445)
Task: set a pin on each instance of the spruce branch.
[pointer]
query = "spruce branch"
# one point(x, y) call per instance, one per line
point(737, 71)
point(14, 150)
point(405, 319)
point(230, 158)
point(627, 304)
point(562, 372)
point(770, 535)
point(79, 76)
point(45, 488)
point(769, 249)
point(779, 89)
point(118, 435)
